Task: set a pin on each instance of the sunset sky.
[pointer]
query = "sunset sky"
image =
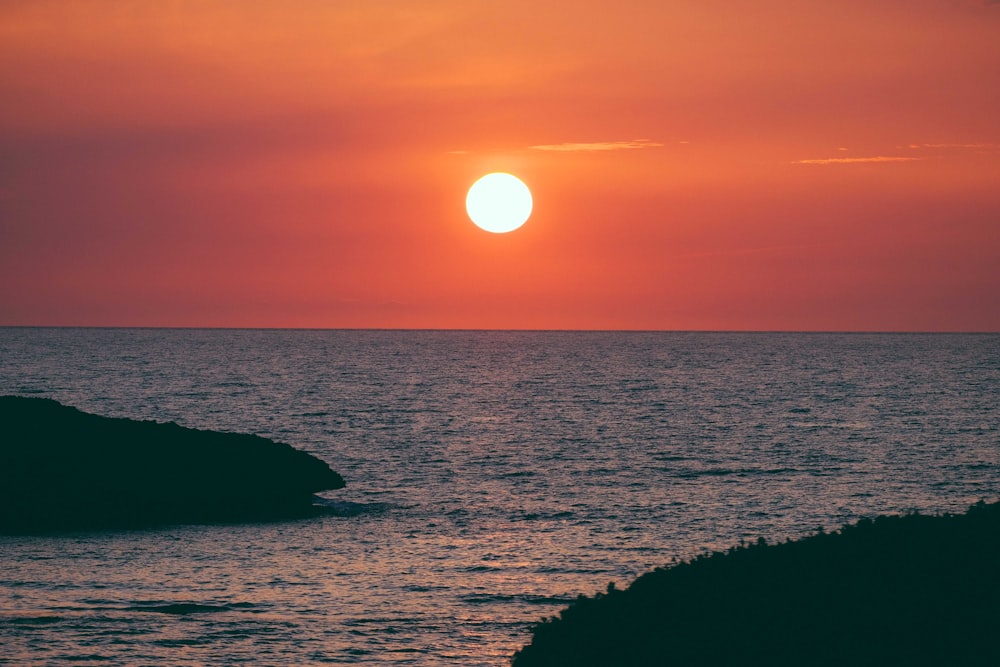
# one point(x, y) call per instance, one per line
point(767, 165)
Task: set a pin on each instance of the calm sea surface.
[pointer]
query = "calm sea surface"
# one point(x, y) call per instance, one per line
point(492, 477)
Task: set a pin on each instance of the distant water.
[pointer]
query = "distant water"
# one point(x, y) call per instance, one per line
point(492, 477)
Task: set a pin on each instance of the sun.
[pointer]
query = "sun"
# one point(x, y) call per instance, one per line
point(498, 202)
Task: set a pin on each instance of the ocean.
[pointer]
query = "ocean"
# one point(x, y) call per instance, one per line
point(492, 477)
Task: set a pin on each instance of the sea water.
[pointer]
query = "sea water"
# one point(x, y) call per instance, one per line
point(492, 477)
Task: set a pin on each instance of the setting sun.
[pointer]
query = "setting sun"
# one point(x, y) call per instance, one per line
point(498, 203)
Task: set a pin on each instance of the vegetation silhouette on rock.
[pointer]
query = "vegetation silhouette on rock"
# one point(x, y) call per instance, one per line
point(63, 469)
point(896, 590)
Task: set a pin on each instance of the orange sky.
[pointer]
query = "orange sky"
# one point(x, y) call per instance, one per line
point(767, 165)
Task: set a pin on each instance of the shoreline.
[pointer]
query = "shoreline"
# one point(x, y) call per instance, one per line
point(911, 589)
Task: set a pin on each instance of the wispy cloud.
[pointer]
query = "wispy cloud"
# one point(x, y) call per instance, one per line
point(858, 160)
point(598, 146)
point(974, 147)
point(923, 151)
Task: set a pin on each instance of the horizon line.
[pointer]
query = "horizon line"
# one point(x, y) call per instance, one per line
point(496, 330)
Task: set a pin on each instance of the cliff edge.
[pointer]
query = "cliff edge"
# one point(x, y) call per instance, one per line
point(896, 590)
point(63, 469)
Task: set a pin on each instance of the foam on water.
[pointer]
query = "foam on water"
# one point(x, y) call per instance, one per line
point(492, 477)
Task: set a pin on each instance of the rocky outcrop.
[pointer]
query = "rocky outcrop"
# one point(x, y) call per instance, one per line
point(63, 469)
point(900, 590)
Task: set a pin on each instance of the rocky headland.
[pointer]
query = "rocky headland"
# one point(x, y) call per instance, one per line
point(63, 469)
point(896, 590)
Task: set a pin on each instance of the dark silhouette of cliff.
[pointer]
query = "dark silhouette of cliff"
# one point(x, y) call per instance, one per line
point(900, 590)
point(63, 469)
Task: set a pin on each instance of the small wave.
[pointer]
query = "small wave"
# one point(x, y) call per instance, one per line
point(349, 508)
point(381, 621)
point(35, 620)
point(708, 472)
point(184, 608)
point(406, 649)
point(494, 598)
point(418, 588)
point(181, 642)
point(481, 568)
point(671, 457)
point(542, 516)
point(726, 472)
point(88, 657)
point(562, 569)
point(821, 425)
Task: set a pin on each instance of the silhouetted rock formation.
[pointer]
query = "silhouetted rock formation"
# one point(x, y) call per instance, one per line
point(910, 590)
point(65, 469)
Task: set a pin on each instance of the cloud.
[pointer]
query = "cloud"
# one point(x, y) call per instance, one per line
point(858, 160)
point(926, 151)
point(597, 146)
point(956, 146)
